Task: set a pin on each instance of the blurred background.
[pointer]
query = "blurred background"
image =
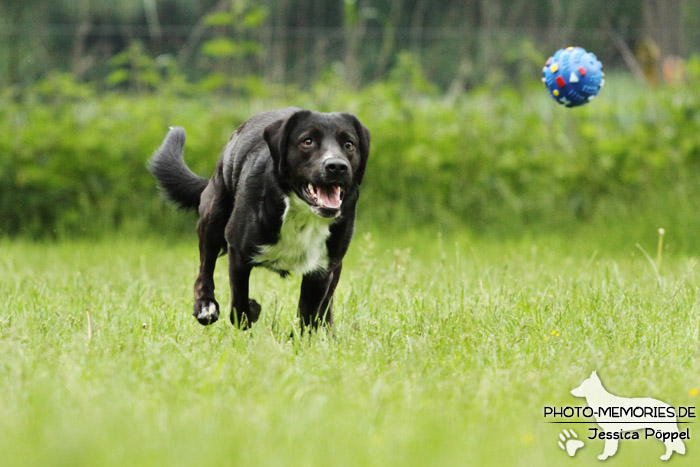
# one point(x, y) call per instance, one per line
point(464, 135)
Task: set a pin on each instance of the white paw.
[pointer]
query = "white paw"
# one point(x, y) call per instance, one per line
point(206, 312)
point(569, 443)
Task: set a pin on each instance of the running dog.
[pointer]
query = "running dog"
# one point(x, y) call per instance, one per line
point(282, 196)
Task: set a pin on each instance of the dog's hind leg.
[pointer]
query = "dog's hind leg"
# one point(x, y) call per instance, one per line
point(673, 446)
point(214, 209)
point(244, 310)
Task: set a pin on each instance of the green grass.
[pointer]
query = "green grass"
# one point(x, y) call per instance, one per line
point(446, 350)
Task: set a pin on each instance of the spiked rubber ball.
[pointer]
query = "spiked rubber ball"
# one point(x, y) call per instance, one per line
point(573, 76)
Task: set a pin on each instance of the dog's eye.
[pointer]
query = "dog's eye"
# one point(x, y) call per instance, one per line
point(349, 146)
point(307, 142)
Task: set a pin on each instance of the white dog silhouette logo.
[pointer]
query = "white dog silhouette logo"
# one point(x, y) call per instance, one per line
point(618, 416)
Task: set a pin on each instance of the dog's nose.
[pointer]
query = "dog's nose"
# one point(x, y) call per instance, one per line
point(336, 166)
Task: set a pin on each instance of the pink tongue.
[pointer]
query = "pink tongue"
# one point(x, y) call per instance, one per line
point(328, 197)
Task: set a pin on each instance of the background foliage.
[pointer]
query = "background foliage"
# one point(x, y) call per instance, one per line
point(462, 132)
point(497, 159)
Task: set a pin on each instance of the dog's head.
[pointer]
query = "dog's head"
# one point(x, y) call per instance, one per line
point(590, 387)
point(320, 156)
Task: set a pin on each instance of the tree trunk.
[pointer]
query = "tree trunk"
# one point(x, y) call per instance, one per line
point(388, 38)
point(354, 32)
point(79, 61)
point(663, 23)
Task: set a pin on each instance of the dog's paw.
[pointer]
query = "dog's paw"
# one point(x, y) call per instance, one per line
point(206, 311)
point(246, 319)
point(569, 443)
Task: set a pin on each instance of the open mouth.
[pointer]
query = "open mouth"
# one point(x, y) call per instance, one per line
point(325, 197)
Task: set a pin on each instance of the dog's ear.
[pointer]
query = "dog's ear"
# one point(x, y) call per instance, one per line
point(276, 135)
point(363, 134)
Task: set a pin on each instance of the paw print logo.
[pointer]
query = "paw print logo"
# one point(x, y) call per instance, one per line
point(569, 442)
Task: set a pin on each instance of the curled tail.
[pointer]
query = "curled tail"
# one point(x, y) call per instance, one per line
point(179, 183)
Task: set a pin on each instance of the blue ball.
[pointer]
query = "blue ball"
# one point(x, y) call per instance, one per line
point(573, 76)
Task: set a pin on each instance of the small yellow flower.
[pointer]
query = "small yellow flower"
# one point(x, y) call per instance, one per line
point(693, 392)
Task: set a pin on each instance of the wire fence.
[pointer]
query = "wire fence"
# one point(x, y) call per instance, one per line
point(299, 55)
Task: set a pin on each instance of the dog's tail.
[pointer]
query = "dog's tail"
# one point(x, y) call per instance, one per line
point(179, 183)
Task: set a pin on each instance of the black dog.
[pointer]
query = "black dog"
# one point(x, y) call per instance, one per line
point(283, 196)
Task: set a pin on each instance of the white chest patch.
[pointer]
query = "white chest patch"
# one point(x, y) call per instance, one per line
point(302, 243)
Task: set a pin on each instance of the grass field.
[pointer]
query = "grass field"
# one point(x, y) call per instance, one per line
point(446, 350)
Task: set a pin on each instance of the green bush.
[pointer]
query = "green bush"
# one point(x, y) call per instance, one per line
point(495, 159)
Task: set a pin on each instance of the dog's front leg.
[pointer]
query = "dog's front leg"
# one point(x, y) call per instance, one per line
point(244, 310)
point(316, 298)
point(609, 450)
